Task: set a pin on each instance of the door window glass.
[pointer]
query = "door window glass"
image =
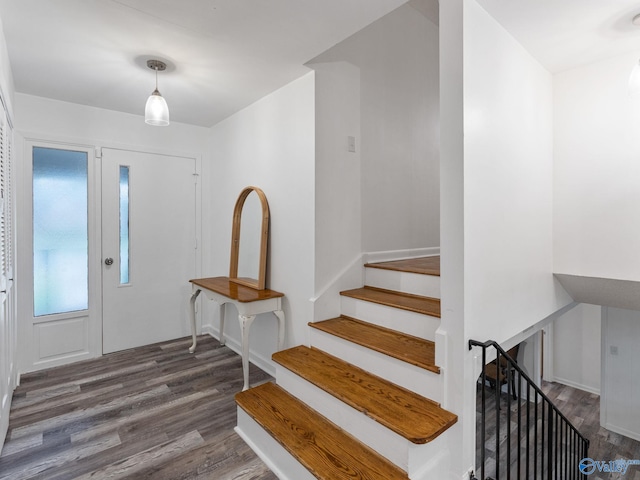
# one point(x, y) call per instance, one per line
point(124, 224)
point(60, 234)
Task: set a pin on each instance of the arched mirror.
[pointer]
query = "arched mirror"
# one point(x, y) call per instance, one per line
point(249, 238)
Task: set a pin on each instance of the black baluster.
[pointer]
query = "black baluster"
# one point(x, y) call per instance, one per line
point(483, 420)
point(519, 426)
point(528, 442)
point(497, 389)
point(549, 442)
point(508, 420)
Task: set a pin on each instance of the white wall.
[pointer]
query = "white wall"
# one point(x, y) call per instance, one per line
point(452, 353)
point(576, 348)
point(597, 172)
point(620, 396)
point(399, 128)
point(269, 144)
point(6, 77)
point(338, 221)
point(69, 121)
point(508, 183)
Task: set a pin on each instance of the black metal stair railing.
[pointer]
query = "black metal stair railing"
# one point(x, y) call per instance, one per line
point(539, 444)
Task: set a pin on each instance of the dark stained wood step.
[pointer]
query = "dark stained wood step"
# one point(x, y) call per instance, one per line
point(410, 349)
point(408, 414)
point(324, 449)
point(405, 301)
point(421, 265)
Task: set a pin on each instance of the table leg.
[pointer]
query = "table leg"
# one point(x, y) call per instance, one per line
point(222, 312)
point(281, 328)
point(192, 317)
point(245, 325)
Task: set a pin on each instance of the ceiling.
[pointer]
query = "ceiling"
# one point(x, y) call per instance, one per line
point(563, 34)
point(223, 54)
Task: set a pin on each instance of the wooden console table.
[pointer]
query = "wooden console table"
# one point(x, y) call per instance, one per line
point(249, 302)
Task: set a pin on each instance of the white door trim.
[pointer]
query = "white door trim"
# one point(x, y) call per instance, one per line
point(89, 320)
point(23, 142)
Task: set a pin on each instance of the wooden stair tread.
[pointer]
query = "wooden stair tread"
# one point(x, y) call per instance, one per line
point(410, 349)
point(408, 414)
point(422, 265)
point(324, 449)
point(405, 301)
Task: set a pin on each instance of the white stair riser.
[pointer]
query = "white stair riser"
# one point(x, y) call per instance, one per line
point(274, 455)
point(430, 461)
point(423, 382)
point(411, 323)
point(415, 283)
point(386, 442)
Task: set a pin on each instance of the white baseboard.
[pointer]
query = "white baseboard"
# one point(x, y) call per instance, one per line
point(5, 405)
point(579, 386)
point(259, 361)
point(390, 255)
point(622, 431)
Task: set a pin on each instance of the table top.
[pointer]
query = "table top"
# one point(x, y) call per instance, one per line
point(224, 286)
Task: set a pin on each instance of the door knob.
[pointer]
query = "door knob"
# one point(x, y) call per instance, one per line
point(108, 261)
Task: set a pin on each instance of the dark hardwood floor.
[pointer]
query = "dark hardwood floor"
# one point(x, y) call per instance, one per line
point(151, 412)
point(159, 412)
point(580, 407)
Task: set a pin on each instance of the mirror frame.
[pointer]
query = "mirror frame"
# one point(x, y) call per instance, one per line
point(260, 282)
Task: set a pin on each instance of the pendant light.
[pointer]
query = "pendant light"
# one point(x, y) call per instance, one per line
point(156, 111)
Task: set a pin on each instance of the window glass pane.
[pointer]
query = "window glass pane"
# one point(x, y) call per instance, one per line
point(124, 224)
point(60, 235)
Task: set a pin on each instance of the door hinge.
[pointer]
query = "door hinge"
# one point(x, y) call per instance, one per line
point(195, 177)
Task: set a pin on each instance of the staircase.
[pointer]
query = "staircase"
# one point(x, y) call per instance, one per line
point(363, 401)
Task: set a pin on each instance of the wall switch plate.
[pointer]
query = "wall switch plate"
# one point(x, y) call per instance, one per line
point(352, 144)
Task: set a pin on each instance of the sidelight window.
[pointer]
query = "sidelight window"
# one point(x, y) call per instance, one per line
point(60, 231)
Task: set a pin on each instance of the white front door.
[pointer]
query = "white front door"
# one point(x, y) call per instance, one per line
point(148, 247)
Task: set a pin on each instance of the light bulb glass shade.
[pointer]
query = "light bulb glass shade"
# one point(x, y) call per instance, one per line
point(156, 111)
point(634, 81)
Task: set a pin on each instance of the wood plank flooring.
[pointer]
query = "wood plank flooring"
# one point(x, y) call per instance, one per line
point(580, 407)
point(151, 412)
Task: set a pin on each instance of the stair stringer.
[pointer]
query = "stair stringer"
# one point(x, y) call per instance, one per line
point(326, 304)
point(269, 450)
